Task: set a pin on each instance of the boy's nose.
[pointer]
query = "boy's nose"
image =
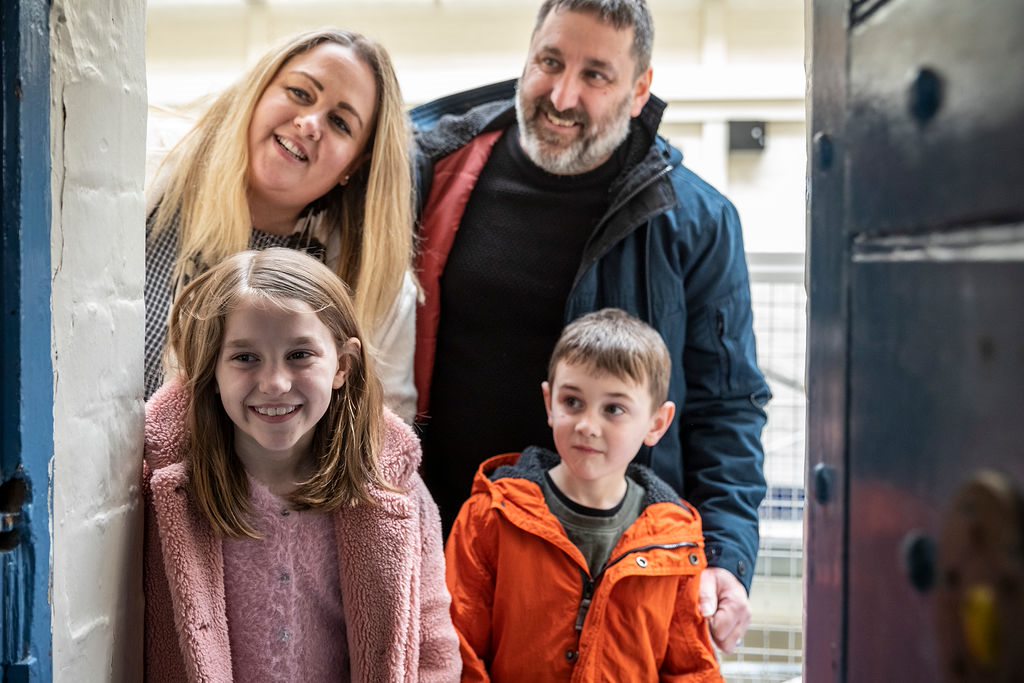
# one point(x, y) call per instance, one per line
point(586, 426)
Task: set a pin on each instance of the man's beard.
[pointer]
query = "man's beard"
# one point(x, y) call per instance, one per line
point(588, 151)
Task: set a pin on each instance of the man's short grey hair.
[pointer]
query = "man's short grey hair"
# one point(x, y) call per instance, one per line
point(621, 14)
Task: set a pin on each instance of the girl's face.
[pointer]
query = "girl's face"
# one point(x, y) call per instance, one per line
point(310, 127)
point(275, 373)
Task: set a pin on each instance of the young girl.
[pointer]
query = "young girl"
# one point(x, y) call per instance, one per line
point(309, 150)
point(288, 534)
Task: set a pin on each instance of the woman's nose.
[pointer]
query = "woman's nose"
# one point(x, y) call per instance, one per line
point(308, 125)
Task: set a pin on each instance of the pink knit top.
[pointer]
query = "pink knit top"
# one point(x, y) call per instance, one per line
point(285, 618)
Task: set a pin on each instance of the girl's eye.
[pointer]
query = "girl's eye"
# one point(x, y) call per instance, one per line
point(244, 357)
point(299, 94)
point(339, 123)
point(299, 355)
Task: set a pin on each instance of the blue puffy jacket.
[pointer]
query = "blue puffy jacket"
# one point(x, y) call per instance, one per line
point(670, 251)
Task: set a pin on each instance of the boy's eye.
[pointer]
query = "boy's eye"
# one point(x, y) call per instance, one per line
point(572, 402)
point(615, 410)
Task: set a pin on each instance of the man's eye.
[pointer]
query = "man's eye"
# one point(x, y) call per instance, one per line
point(597, 76)
point(549, 63)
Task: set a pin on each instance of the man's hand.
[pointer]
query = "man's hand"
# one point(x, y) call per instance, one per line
point(723, 600)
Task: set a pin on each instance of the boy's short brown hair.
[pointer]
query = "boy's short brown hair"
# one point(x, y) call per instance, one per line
point(613, 341)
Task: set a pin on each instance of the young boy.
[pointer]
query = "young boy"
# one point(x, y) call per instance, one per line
point(581, 566)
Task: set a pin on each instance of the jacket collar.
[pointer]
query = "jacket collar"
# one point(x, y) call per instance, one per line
point(446, 125)
point(534, 462)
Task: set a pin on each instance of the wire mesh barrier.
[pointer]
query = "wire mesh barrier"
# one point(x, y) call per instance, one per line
point(772, 648)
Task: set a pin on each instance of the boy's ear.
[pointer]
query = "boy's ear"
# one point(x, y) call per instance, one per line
point(546, 390)
point(660, 422)
point(346, 353)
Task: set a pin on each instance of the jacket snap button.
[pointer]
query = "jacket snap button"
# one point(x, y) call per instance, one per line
point(641, 562)
point(571, 655)
point(694, 559)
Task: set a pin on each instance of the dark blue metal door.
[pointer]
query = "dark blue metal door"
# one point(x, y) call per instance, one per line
point(26, 404)
point(915, 557)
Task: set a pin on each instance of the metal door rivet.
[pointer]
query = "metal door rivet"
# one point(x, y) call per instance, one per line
point(824, 151)
point(926, 95)
point(824, 477)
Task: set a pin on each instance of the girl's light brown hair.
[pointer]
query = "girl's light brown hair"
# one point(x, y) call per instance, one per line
point(372, 214)
point(346, 441)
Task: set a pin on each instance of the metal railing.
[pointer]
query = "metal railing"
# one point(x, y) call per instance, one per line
point(772, 650)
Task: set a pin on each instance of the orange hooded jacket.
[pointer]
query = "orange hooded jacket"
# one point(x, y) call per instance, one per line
point(527, 608)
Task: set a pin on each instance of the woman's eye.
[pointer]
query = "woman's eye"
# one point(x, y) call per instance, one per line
point(299, 94)
point(339, 123)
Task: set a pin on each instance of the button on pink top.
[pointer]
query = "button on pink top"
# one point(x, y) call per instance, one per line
point(285, 618)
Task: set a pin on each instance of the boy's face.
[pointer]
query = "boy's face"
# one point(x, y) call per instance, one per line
point(599, 422)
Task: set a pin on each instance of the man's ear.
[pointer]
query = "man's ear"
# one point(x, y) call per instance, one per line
point(546, 390)
point(660, 422)
point(641, 92)
point(346, 353)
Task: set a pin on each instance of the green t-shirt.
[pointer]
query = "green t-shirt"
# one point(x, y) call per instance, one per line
point(595, 532)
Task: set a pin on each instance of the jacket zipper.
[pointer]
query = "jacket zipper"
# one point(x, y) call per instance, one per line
point(607, 217)
point(590, 584)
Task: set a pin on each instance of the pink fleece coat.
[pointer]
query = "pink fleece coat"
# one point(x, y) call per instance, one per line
point(389, 559)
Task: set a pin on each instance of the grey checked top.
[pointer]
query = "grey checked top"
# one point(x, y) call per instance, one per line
point(161, 254)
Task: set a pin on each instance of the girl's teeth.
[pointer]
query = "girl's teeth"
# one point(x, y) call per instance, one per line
point(274, 412)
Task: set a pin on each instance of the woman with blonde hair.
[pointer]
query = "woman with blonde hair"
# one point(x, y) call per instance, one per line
point(309, 150)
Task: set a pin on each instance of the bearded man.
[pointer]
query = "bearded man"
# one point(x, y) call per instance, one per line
point(543, 204)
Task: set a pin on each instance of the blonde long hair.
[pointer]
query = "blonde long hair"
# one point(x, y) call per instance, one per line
point(347, 440)
point(372, 214)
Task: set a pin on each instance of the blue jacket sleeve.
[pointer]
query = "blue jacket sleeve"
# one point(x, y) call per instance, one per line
point(726, 394)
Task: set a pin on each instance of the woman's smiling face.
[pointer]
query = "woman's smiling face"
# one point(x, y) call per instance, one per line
point(310, 127)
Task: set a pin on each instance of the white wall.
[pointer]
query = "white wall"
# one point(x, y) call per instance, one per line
point(98, 127)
